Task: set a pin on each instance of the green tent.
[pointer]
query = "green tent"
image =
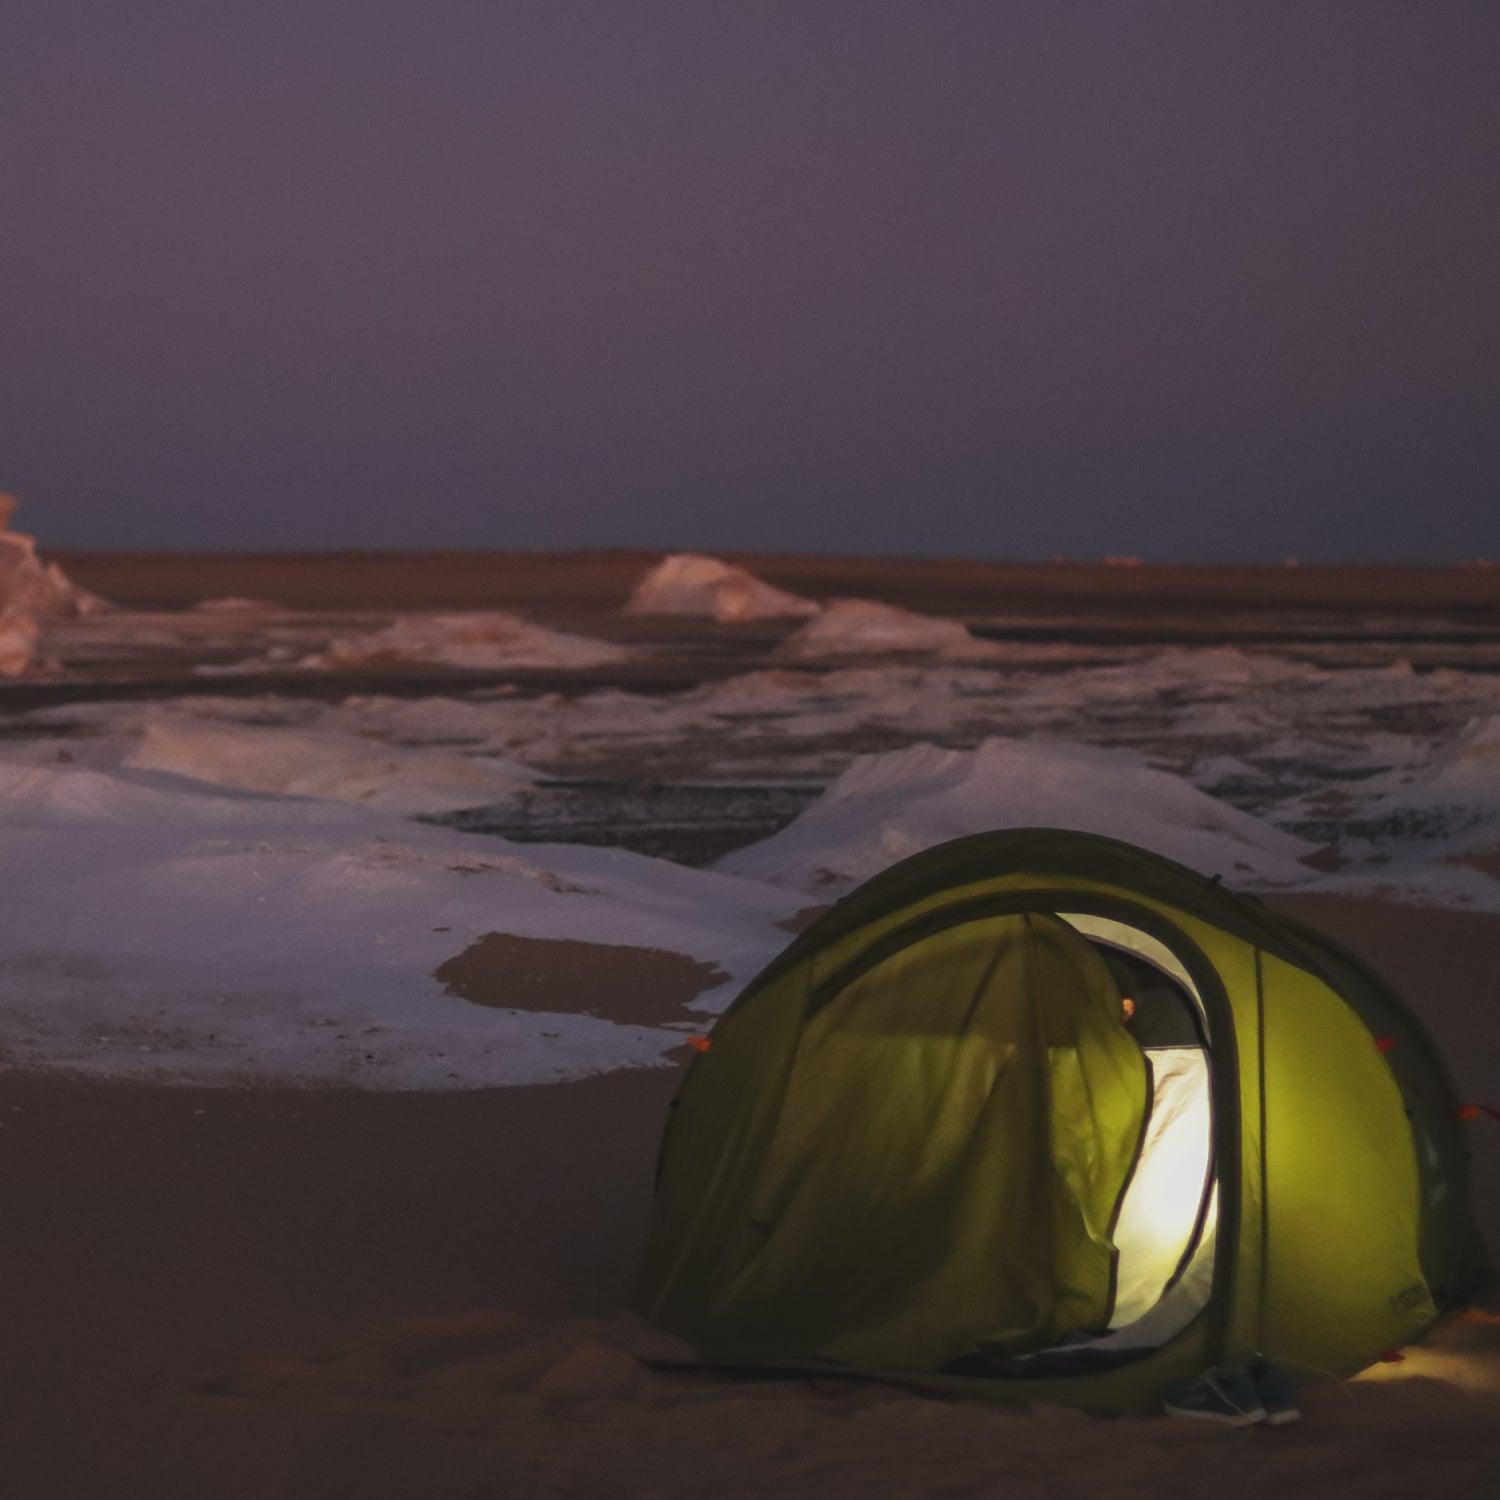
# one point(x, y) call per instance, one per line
point(927, 1143)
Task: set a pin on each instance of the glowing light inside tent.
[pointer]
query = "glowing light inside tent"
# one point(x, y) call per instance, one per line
point(1161, 1205)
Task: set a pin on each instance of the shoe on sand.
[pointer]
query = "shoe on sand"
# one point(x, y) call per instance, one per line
point(1277, 1394)
point(1221, 1395)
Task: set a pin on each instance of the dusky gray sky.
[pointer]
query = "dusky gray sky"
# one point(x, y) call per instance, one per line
point(1000, 278)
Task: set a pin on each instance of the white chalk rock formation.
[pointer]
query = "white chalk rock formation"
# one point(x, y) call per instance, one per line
point(862, 627)
point(18, 632)
point(474, 642)
point(30, 590)
point(689, 584)
point(34, 587)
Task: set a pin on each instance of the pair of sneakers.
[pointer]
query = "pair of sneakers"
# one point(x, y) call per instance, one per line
point(1236, 1396)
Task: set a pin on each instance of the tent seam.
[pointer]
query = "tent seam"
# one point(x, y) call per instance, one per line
point(1265, 1207)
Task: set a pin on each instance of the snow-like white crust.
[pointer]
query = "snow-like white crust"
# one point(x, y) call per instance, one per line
point(137, 838)
point(886, 807)
point(327, 764)
point(158, 927)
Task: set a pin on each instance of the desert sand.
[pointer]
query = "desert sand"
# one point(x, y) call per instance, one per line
point(543, 580)
point(272, 1291)
point(262, 1289)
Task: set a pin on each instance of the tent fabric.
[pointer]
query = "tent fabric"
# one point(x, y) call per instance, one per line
point(957, 1131)
point(1453, 1258)
point(852, 1175)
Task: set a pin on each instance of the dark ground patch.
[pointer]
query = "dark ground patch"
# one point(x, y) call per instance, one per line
point(688, 823)
point(628, 985)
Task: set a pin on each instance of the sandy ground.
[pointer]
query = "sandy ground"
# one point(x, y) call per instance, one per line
point(279, 1293)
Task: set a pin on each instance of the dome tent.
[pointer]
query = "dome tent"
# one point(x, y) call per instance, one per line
point(923, 1144)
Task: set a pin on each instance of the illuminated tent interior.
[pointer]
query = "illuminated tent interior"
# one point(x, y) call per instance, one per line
point(932, 1143)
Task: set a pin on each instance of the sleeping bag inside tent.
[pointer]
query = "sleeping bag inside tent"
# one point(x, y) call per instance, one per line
point(933, 1142)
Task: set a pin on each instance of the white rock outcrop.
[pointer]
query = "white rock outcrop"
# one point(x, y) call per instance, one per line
point(689, 584)
point(479, 642)
point(18, 633)
point(31, 585)
point(863, 627)
point(31, 590)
